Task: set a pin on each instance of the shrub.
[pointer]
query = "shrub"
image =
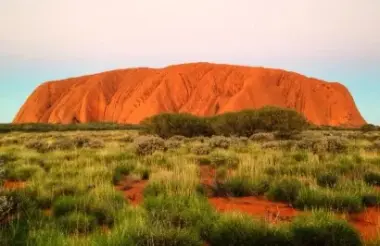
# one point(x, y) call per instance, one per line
point(284, 190)
point(368, 128)
point(147, 145)
point(201, 149)
point(172, 144)
point(102, 213)
point(327, 199)
point(181, 211)
point(372, 178)
point(246, 186)
point(337, 145)
point(23, 172)
point(158, 235)
point(38, 145)
point(262, 136)
point(300, 156)
point(168, 125)
point(5, 207)
point(237, 230)
point(78, 223)
point(322, 228)
point(121, 171)
point(220, 142)
point(327, 179)
point(223, 159)
point(64, 205)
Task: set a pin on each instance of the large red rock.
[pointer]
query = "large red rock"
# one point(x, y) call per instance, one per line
point(130, 95)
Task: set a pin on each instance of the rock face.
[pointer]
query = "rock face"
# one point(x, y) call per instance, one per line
point(130, 95)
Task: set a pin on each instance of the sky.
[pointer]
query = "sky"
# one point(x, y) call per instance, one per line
point(334, 40)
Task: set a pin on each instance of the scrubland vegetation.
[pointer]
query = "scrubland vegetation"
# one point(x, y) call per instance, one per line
point(68, 188)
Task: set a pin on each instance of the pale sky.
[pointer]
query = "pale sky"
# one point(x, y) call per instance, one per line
point(335, 40)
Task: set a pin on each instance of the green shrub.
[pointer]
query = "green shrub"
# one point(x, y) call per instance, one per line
point(147, 145)
point(220, 142)
point(284, 190)
point(201, 149)
point(64, 205)
point(157, 235)
point(372, 178)
point(77, 222)
point(23, 172)
point(322, 228)
point(239, 230)
point(181, 211)
point(102, 213)
point(223, 159)
point(246, 186)
point(38, 145)
point(368, 128)
point(327, 199)
point(5, 207)
point(337, 145)
point(168, 125)
point(121, 171)
point(327, 179)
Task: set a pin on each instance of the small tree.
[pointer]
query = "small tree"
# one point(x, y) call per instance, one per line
point(5, 202)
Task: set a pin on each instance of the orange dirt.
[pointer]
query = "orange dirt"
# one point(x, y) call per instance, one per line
point(133, 190)
point(11, 185)
point(204, 89)
point(367, 222)
point(271, 211)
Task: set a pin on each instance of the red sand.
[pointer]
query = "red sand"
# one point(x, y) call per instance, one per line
point(204, 89)
point(133, 190)
point(11, 185)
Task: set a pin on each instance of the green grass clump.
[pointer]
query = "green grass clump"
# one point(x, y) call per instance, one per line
point(322, 228)
point(64, 205)
point(327, 199)
point(158, 235)
point(284, 190)
point(228, 159)
point(77, 222)
point(246, 186)
point(23, 172)
point(239, 230)
point(327, 179)
point(120, 172)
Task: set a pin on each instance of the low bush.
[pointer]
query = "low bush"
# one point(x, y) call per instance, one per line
point(322, 228)
point(327, 199)
point(172, 144)
point(167, 125)
point(158, 235)
point(284, 190)
point(224, 159)
point(64, 205)
point(262, 136)
point(327, 180)
point(246, 186)
point(201, 149)
point(121, 171)
point(372, 178)
point(23, 172)
point(147, 145)
point(300, 156)
point(220, 142)
point(239, 230)
point(77, 222)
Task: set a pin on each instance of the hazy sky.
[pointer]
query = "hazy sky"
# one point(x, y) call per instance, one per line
point(335, 40)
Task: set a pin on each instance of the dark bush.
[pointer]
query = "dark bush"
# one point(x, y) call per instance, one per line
point(201, 149)
point(327, 179)
point(78, 223)
point(168, 125)
point(64, 205)
point(220, 142)
point(121, 171)
point(323, 229)
point(237, 230)
point(368, 128)
point(284, 190)
point(372, 178)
